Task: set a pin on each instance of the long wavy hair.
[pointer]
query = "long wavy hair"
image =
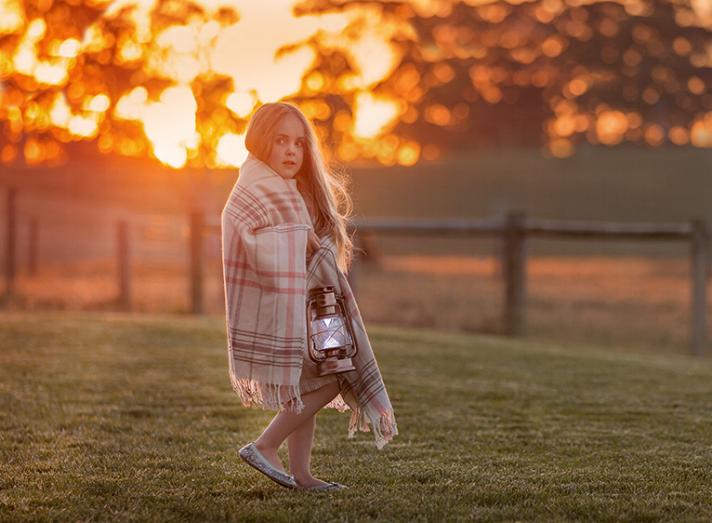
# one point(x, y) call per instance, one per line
point(324, 189)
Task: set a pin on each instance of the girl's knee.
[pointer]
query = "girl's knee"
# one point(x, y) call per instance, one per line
point(334, 389)
point(329, 391)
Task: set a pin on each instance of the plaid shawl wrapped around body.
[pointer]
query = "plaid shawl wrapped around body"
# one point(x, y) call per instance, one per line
point(266, 229)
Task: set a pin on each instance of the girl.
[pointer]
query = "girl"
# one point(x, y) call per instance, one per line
point(283, 233)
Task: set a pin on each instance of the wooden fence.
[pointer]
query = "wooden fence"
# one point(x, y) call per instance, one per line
point(514, 230)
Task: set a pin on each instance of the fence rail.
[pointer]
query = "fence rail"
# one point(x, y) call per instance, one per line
point(514, 230)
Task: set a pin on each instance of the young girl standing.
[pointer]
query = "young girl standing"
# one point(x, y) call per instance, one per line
point(284, 233)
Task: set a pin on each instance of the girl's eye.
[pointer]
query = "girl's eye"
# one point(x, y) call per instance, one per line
point(280, 141)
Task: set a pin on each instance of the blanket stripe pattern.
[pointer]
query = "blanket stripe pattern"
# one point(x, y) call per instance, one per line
point(265, 232)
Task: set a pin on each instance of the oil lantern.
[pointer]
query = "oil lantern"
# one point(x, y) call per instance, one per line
point(330, 338)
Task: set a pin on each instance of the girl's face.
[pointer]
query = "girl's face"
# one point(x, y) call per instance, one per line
point(289, 144)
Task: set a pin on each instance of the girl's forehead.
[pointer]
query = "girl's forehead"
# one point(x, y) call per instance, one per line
point(290, 127)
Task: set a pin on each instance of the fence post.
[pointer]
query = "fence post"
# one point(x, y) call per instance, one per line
point(700, 259)
point(32, 248)
point(10, 241)
point(514, 265)
point(196, 261)
point(123, 265)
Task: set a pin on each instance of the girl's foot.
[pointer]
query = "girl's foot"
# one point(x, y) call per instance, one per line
point(309, 482)
point(272, 456)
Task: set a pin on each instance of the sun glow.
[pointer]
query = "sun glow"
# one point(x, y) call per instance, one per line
point(186, 78)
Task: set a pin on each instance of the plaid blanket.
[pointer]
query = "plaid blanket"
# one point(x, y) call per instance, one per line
point(271, 256)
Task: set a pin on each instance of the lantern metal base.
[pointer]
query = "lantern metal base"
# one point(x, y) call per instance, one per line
point(334, 366)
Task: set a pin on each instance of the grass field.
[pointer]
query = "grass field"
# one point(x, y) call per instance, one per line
point(128, 417)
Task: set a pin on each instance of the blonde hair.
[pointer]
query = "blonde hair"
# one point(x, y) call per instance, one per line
point(323, 188)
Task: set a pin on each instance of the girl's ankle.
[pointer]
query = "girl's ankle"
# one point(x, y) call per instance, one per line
point(262, 447)
point(302, 478)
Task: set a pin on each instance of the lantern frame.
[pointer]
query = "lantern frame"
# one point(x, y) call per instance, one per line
point(337, 360)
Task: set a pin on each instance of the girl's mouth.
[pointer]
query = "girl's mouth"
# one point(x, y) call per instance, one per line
point(289, 163)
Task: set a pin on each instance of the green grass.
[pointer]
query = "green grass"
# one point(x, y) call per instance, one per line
point(118, 417)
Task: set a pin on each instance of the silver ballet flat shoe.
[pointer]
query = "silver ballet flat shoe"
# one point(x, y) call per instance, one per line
point(332, 486)
point(253, 457)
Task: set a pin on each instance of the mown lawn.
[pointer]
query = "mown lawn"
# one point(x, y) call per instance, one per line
point(111, 417)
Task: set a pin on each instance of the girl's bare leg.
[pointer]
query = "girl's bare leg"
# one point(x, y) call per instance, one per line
point(284, 423)
point(300, 444)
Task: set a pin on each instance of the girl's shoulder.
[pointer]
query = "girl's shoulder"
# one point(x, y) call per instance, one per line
point(245, 208)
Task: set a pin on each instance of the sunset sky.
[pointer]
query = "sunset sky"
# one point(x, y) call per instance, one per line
point(268, 52)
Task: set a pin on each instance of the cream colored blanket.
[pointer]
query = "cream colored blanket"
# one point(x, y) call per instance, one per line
point(266, 237)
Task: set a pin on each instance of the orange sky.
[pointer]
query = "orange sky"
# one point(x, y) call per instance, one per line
point(247, 52)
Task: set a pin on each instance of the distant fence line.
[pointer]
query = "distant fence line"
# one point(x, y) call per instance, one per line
point(513, 229)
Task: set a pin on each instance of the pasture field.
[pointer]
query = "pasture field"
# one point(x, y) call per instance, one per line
point(623, 303)
point(130, 417)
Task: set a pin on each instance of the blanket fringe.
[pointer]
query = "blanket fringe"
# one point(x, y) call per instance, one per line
point(337, 403)
point(268, 395)
point(384, 428)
